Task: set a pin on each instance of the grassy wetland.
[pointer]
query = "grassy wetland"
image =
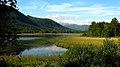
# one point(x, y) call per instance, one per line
point(94, 45)
point(70, 41)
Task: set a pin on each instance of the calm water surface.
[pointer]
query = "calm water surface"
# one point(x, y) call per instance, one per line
point(44, 51)
point(29, 38)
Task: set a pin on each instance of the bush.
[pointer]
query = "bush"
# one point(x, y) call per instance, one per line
point(78, 56)
point(89, 56)
point(108, 55)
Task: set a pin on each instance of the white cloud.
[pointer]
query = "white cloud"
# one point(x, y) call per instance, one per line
point(76, 19)
point(65, 19)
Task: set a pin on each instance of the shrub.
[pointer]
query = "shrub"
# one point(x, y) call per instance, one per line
point(78, 56)
point(108, 55)
point(90, 56)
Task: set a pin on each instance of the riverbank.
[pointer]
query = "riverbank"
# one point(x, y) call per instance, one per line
point(46, 33)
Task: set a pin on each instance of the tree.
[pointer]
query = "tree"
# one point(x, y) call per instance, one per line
point(115, 25)
point(104, 29)
point(91, 30)
point(8, 32)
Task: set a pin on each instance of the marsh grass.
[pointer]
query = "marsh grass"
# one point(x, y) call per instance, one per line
point(67, 41)
point(14, 60)
point(34, 43)
point(70, 41)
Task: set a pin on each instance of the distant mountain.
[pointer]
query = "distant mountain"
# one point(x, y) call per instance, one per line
point(77, 27)
point(33, 24)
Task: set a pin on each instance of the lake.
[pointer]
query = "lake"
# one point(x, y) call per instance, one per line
point(48, 50)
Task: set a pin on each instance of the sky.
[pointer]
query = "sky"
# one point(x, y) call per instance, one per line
point(81, 12)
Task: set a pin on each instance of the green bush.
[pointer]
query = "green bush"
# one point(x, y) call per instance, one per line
point(78, 56)
point(90, 56)
point(108, 55)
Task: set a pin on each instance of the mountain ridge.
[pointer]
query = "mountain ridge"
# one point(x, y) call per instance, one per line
point(34, 24)
point(77, 27)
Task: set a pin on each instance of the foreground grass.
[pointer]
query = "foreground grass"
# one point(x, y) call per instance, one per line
point(15, 60)
point(70, 41)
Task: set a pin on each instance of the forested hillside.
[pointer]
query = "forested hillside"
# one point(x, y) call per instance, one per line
point(104, 29)
point(31, 24)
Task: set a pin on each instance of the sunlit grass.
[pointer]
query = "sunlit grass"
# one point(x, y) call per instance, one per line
point(70, 41)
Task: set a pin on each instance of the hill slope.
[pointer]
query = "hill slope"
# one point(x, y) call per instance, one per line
point(77, 27)
point(33, 24)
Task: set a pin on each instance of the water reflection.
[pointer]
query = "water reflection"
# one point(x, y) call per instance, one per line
point(44, 51)
point(29, 38)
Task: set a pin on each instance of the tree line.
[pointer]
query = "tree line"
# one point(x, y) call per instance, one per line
point(104, 29)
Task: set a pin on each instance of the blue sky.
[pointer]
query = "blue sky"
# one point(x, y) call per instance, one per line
point(72, 11)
